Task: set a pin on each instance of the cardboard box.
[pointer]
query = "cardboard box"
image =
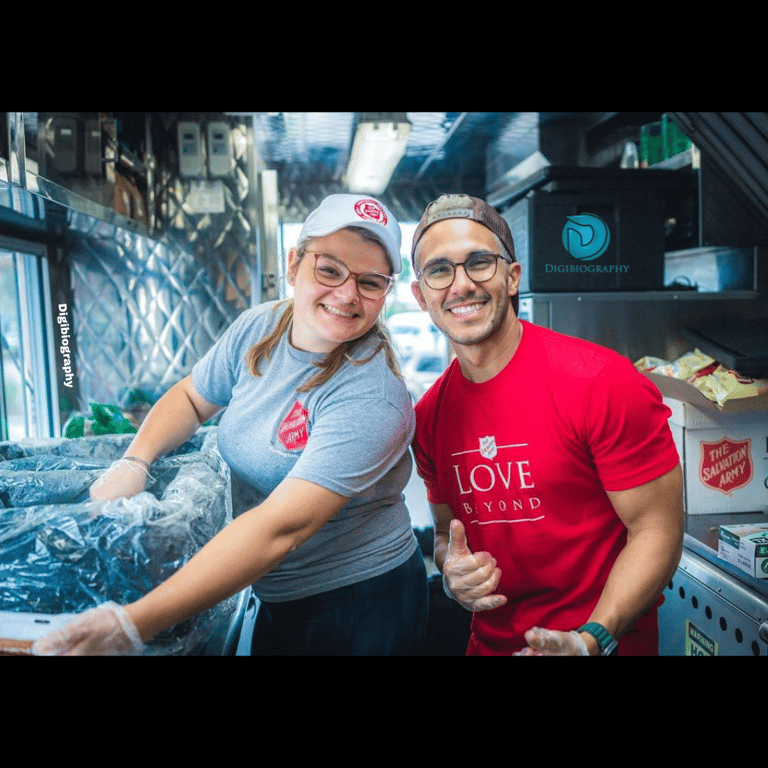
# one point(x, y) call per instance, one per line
point(724, 457)
point(676, 389)
point(746, 547)
point(723, 448)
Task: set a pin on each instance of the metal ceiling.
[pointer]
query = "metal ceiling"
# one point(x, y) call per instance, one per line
point(470, 151)
point(447, 151)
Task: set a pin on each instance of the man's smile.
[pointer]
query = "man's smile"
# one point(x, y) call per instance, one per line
point(466, 309)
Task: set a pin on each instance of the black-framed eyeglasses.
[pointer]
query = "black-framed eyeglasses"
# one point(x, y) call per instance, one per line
point(479, 268)
point(333, 273)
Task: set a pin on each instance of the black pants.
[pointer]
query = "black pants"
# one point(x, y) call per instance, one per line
point(382, 616)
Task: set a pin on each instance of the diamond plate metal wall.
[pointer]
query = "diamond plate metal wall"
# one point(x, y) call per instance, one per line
point(145, 309)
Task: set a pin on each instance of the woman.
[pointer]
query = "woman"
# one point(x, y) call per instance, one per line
point(316, 429)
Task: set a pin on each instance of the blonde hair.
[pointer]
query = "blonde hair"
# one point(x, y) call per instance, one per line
point(334, 360)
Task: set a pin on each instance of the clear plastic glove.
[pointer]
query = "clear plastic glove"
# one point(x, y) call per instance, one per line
point(106, 630)
point(551, 642)
point(124, 478)
point(470, 578)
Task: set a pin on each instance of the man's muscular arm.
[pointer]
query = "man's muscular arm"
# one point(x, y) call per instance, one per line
point(653, 515)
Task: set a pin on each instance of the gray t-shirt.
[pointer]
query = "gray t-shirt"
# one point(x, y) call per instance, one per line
point(350, 435)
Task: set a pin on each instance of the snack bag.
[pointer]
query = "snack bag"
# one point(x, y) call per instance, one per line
point(688, 365)
point(721, 385)
point(717, 383)
point(647, 364)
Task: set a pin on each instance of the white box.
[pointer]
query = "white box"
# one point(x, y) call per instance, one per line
point(746, 547)
point(19, 630)
point(724, 456)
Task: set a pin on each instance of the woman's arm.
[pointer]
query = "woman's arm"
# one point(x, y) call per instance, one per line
point(247, 549)
point(173, 419)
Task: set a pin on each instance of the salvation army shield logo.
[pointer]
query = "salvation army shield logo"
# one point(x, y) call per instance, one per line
point(371, 210)
point(292, 432)
point(488, 447)
point(726, 465)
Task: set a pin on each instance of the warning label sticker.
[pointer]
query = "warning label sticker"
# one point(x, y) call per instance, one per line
point(697, 643)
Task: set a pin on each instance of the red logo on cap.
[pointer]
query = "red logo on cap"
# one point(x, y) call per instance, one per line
point(293, 431)
point(726, 465)
point(371, 209)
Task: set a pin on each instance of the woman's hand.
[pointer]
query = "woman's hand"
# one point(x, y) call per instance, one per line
point(106, 630)
point(125, 477)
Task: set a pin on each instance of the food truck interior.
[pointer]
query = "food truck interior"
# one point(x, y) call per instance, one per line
point(130, 241)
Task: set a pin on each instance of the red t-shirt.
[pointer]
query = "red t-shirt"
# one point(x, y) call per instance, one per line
point(524, 461)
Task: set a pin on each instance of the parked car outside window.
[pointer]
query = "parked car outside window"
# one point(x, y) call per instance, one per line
point(421, 370)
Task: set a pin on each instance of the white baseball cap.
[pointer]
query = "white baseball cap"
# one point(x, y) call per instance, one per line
point(344, 210)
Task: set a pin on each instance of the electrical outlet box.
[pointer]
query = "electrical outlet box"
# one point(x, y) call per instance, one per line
point(92, 148)
point(219, 149)
point(66, 144)
point(190, 149)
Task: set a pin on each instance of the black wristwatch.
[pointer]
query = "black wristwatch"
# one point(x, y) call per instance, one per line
point(606, 642)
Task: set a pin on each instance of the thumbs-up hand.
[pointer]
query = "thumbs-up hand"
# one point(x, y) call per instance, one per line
point(470, 578)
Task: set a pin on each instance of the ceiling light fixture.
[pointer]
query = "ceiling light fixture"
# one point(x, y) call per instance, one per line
point(379, 145)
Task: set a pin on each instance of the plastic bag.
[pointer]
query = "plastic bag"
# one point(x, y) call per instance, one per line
point(62, 553)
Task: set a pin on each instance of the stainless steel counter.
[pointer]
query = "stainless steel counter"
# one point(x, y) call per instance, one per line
point(711, 608)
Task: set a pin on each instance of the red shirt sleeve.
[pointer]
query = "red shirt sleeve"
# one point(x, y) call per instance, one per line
point(627, 428)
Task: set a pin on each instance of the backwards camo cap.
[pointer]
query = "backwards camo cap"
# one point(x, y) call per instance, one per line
point(464, 207)
point(345, 210)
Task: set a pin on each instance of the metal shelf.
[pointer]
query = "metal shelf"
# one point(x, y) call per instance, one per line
point(623, 296)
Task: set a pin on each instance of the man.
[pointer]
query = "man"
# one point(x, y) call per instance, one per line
point(550, 468)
